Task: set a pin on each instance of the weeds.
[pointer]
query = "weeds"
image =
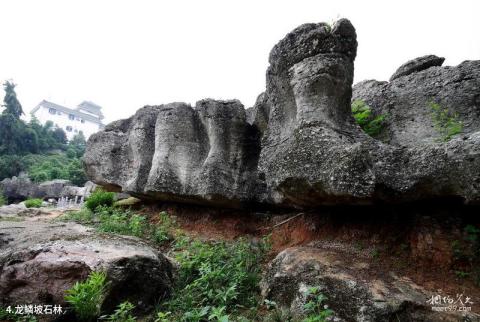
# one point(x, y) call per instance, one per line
point(315, 308)
point(445, 121)
point(86, 297)
point(215, 279)
point(122, 313)
point(99, 198)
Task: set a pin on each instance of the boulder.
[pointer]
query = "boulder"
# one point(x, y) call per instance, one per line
point(353, 291)
point(299, 145)
point(40, 260)
point(417, 64)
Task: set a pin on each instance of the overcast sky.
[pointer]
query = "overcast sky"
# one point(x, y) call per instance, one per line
point(126, 54)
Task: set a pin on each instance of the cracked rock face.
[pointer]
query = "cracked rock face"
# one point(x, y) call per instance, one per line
point(299, 146)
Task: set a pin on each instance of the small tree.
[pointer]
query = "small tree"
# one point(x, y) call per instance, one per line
point(11, 103)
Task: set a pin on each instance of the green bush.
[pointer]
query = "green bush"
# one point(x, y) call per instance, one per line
point(215, 279)
point(99, 198)
point(371, 124)
point(162, 233)
point(122, 313)
point(33, 203)
point(86, 297)
point(445, 122)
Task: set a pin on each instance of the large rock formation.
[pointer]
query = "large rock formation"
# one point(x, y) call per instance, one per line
point(21, 188)
point(40, 260)
point(205, 154)
point(407, 100)
point(353, 290)
point(312, 152)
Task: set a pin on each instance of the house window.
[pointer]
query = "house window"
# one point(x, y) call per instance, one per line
point(71, 117)
point(52, 111)
point(69, 128)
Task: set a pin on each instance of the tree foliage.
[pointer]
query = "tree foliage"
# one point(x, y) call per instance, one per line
point(40, 150)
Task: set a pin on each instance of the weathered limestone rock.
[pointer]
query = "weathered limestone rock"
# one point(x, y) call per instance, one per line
point(39, 261)
point(312, 152)
point(417, 64)
point(407, 102)
point(206, 154)
point(353, 291)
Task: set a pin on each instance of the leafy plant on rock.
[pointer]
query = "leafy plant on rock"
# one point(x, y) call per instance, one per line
point(370, 123)
point(315, 308)
point(445, 121)
point(86, 297)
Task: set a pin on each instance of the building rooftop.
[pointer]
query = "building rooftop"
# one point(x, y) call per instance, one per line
point(76, 112)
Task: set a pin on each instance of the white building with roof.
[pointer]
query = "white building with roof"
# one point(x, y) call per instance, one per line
point(86, 117)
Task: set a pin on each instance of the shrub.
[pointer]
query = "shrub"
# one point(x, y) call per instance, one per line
point(122, 313)
point(162, 233)
point(215, 279)
point(99, 198)
point(33, 203)
point(371, 124)
point(445, 122)
point(86, 297)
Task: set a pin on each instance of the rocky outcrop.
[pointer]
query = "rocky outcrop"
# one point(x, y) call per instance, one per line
point(21, 188)
point(352, 289)
point(407, 102)
point(40, 260)
point(417, 65)
point(205, 154)
point(299, 146)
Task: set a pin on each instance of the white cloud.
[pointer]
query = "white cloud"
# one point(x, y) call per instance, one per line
point(126, 54)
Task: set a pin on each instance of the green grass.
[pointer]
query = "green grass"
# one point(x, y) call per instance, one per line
point(446, 122)
point(82, 216)
point(370, 124)
point(33, 203)
point(86, 297)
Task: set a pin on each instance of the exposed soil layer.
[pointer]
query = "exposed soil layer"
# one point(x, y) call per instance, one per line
point(425, 242)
